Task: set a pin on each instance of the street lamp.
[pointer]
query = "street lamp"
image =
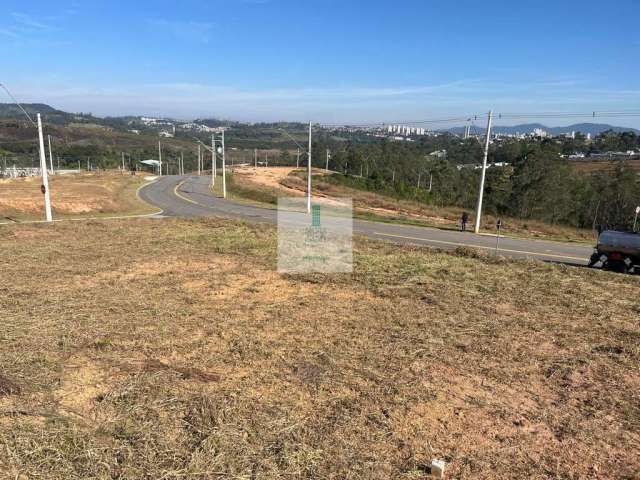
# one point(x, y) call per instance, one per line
point(220, 150)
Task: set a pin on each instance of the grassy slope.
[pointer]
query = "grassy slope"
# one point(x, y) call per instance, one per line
point(73, 196)
point(171, 348)
point(379, 207)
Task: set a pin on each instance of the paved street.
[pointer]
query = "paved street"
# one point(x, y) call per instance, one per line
point(189, 196)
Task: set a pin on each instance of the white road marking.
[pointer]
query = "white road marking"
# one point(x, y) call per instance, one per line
point(457, 244)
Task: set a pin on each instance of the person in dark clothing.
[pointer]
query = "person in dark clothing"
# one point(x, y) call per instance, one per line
point(464, 220)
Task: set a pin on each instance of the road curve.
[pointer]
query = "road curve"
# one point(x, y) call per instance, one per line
point(189, 196)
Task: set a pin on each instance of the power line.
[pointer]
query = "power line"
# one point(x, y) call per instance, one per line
point(18, 104)
point(506, 116)
point(406, 122)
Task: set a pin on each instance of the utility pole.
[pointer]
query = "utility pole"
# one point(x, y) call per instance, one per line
point(298, 158)
point(224, 174)
point(213, 160)
point(160, 158)
point(255, 157)
point(419, 175)
point(483, 174)
point(45, 178)
point(309, 174)
point(199, 154)
point(327, 163)
point(181, 163)
point(50, 156)
point(122, 162)
point(266, 159)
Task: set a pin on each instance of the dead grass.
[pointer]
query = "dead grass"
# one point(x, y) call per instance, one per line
point(603, 165)
point(172, 349)
point(72, 196)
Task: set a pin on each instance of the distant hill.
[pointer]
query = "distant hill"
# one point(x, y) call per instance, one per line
point(592, 128)
point(59, 117)
point(48, 113)
point(11, 110)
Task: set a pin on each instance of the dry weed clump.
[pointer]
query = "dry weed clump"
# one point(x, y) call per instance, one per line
point(173, 349)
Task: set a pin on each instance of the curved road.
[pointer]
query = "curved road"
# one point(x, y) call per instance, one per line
point(189, 196)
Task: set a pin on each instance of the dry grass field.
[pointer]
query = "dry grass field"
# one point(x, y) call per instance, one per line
point(169, 349)
point(600, 166)
point(266, 184)
point(93, 194)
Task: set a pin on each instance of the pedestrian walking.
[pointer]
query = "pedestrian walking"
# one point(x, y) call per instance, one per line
point(463, 221)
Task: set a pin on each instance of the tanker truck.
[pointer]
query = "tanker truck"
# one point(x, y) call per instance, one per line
point(617, 251)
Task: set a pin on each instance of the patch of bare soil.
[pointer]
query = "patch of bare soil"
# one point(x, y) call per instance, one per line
point(268, 177)
point(83, 382)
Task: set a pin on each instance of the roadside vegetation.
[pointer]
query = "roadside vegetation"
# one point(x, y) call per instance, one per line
point(531, 181)
point(263, 186)
point(172, 349)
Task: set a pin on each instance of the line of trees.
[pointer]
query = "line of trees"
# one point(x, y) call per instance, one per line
point(538, 183)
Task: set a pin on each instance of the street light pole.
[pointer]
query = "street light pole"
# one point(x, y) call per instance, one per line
point(309, 174)
point(483, 174)
point(224, 173)
point(198, 159)
point(213, 160)
point(50, 156)
point(45, 177)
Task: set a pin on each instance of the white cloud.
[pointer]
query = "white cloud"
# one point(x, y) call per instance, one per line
point(27, 23)
point(331, 105)
point(7, 32)
point(23, 26)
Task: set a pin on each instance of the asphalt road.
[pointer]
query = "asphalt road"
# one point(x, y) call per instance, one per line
point(189, 196)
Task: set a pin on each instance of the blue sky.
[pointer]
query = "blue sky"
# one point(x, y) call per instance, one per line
point(323, 60)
